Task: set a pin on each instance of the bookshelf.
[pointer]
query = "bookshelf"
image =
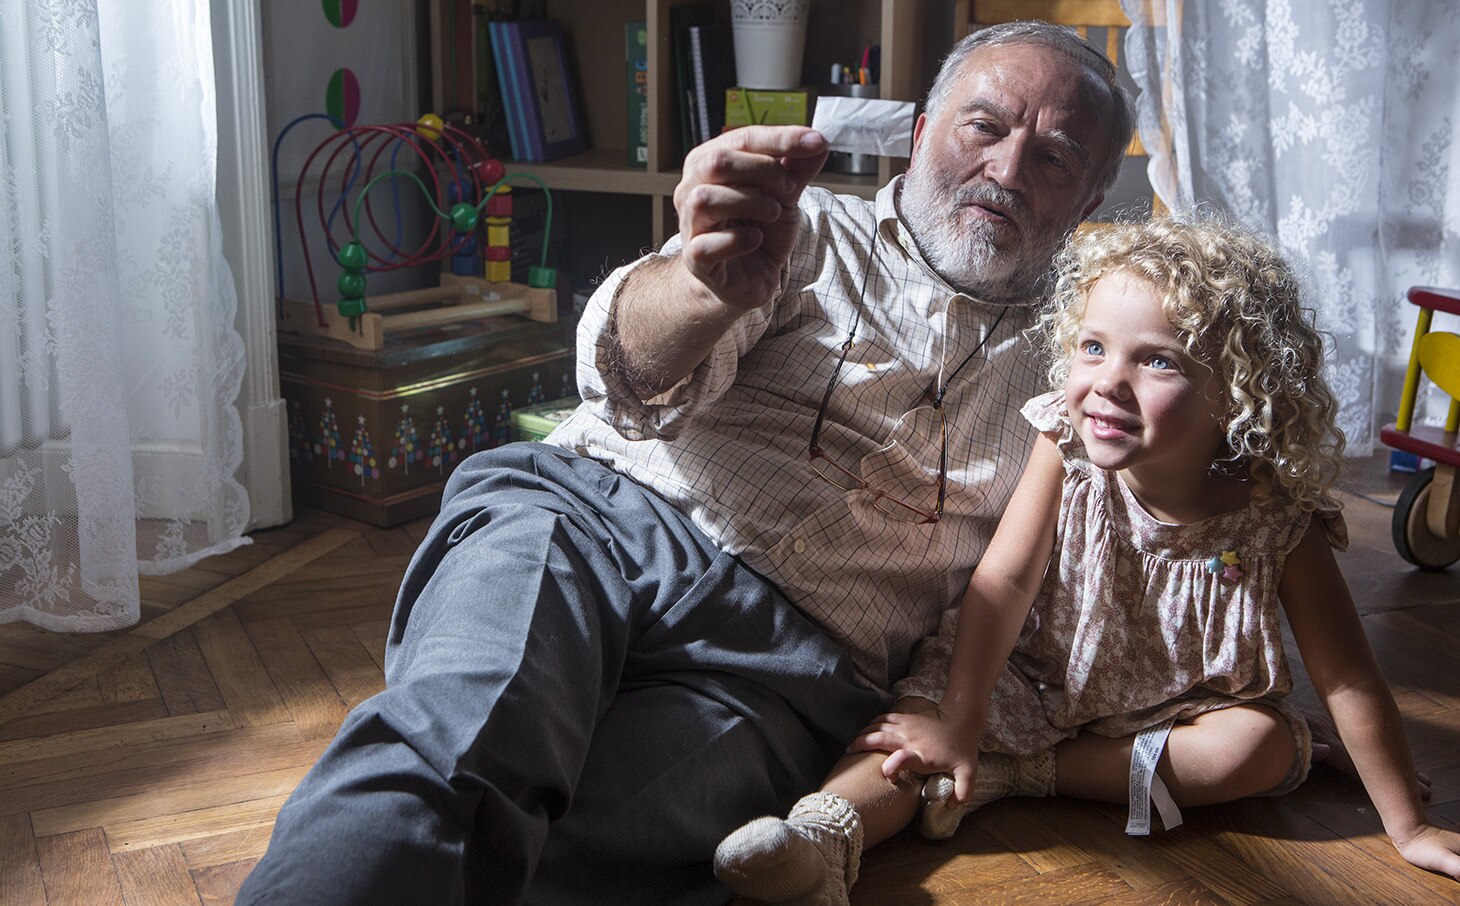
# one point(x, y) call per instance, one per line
point(912, 34)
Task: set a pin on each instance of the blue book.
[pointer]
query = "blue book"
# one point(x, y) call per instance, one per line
point(499, 56)
point(556, 126)
point(522, 89)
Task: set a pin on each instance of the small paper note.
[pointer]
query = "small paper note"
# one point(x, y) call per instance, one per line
point(865, 125)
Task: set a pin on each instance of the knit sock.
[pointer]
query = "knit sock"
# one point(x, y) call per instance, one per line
point(810, 858)
point(999, 775)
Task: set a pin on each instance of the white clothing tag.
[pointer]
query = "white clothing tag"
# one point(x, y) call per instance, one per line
point(1143, 757)
point(1165, 805)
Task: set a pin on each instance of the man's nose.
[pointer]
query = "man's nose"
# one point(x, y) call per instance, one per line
point(1007, 163)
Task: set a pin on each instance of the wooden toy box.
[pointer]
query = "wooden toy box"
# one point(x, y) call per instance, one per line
point(373, 434)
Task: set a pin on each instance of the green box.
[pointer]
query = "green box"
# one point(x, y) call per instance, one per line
point(749, 106)
point(536, 422)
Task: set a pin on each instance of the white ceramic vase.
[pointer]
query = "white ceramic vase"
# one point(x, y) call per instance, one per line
point(770, 40)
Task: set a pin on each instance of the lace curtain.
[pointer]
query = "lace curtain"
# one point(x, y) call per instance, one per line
point(119, 363)
point(1331, 125)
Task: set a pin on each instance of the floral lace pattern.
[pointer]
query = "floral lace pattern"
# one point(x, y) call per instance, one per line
point(769, 10)
point(1329, 124)
point(119, 362)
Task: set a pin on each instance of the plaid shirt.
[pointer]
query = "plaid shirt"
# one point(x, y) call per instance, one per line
point(728, 445)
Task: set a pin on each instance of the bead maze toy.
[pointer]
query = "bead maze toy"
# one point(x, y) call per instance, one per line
point(1426, 526)
point(467, 191)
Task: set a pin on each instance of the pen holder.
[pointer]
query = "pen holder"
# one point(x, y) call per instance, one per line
point(843, 161)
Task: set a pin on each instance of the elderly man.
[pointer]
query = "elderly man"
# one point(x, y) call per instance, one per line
point(800, 425)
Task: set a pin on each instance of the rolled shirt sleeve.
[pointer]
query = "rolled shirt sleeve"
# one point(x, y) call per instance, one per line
point(608, 395)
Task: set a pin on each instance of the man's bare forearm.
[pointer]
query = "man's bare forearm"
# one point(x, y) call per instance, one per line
point(665, 322)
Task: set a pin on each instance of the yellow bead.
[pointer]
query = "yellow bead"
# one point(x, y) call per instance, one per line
point(429, 127)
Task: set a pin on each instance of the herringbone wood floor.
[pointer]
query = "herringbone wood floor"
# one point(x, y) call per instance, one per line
point(146, 766)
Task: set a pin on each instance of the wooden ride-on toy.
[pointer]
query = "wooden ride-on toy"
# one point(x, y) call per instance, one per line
point(1426, 525)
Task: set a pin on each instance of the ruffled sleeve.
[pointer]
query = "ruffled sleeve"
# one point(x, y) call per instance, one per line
point(1047, 414)
point(1336, 528)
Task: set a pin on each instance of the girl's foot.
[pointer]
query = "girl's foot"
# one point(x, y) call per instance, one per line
point(810, 858)
point(999, 775)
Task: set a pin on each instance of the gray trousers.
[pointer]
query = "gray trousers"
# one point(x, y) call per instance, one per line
point(583, 696)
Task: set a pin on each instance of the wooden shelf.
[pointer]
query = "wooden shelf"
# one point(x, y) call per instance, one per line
point(597, 170)
point(905, 29)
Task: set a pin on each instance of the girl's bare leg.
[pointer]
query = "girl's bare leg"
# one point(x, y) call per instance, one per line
point(1217, 757)
point(885, 808)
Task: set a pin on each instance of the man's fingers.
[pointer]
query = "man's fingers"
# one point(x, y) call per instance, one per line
point(777, 141)
point(778, 160)
point(708, 250)
point(804, 169)
point(706, 206)
point(727, 166)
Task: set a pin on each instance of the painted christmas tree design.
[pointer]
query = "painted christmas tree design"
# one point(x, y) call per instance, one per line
point(407, 447)
point(362, 454)
point(441, 449)
point(474, 432)
point(502, 430)
point(535, 395)
point(328, 445)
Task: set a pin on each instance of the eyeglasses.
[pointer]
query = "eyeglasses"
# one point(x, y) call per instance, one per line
point(843, 478)
point(889, 504)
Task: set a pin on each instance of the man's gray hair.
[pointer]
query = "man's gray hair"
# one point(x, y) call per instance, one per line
point(1120, 120)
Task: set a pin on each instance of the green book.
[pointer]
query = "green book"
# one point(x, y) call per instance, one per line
point(636, 57)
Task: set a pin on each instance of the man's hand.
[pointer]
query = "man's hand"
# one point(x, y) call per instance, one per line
point(737, 208)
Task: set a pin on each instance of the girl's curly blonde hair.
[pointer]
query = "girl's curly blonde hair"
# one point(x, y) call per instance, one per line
point(1234, 302)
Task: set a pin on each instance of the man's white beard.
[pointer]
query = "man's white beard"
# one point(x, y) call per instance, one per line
point(966, 253)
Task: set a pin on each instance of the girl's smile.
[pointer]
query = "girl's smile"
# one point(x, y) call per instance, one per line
point(1141, 403)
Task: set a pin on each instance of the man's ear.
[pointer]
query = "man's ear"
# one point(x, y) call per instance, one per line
point(917, 137)
point(1094, 203)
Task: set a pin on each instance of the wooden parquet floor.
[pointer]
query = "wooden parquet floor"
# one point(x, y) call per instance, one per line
point(146, 766)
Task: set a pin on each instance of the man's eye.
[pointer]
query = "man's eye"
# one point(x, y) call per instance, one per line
point(1057, 160)
point(981, 126)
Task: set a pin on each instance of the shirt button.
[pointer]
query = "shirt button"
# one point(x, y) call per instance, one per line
point(799, 545)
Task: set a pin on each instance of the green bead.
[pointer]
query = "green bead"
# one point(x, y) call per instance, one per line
point(351, 285)
point(351, 307)
point(352, 255)
point(463, 217)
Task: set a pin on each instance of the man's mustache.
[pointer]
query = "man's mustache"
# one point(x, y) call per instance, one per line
point(991, 196)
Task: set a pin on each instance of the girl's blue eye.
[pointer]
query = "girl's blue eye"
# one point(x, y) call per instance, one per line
point(1161, 363)
point(1091, 347)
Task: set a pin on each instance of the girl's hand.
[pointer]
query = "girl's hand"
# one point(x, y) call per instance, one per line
point(1434, 849)
point(928, 742)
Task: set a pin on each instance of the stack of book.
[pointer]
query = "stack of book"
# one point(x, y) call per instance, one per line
point(534, 71)
point(704, 67)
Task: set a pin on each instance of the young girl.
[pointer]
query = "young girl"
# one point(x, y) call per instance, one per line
point(1120, 639)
